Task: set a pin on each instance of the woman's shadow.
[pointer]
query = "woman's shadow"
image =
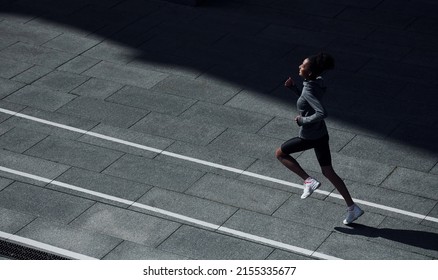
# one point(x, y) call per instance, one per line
point(420, 239)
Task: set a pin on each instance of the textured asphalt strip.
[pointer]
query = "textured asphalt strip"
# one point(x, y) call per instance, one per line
point(207, 163)
point(211, 226)
point(29, 243)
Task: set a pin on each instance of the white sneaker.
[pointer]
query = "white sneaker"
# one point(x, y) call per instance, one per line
point(353, 214)
point(310, 185)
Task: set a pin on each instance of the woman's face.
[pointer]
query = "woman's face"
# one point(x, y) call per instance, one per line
point(305, 69)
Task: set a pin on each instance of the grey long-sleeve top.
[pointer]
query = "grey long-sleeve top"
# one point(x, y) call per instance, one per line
point(311, 109)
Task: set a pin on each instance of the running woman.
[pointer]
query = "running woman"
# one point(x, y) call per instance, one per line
point(313, 132)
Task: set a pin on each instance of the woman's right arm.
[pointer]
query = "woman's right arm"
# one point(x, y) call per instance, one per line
point(290, 84)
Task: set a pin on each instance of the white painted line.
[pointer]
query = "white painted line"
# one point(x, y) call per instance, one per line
point(166, 213)
point(44, 247)
point(176, 215)
point(214, 165)
point(120, 141)
point(277, 244)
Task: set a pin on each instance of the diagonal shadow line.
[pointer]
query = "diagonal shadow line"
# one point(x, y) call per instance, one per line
point(250, 46)
point(420, 239)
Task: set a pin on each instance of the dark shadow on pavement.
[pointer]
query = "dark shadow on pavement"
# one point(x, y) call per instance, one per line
point(382, 85)
point(420, 239)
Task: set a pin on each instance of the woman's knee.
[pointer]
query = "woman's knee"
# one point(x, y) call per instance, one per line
point(279, 153)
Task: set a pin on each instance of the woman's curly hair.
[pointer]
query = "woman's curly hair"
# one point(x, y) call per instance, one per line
point(320, 63)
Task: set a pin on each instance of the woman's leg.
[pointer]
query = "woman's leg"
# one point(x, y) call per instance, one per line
point(291, 164)
point(339, 184)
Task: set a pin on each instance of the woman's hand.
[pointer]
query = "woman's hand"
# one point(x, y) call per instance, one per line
point(298, 120)
point(289, 83)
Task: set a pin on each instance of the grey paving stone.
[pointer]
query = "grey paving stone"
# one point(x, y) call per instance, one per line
point(10, 68)
point(197, 244)
point(408, 236)
point(413, 182)
point(112, 52)
point(361, 124)
point(223, 116)
point(97, 88)
point(33, 200)
point(349, 247)
point(209, 155)
point(434, 170)
point(389, 152)
point(321, 214)
point(10, 18)
point(426, 8)
point(126, 75)
point(302, 37)
point(32, 74)
point(101, 183)
point(239, 193)
point(283, 255)
point(345, 28)
point(12, 221)
point(425, 92)
point(358, 87)
point(19, 140)
point(126, 135)
point(385, 18)
point(402, 111)
point(170, 64)
point(243, 75)
point(243, 47)
point(8, 86)
point(102, 111)
point(423, 23)
point(369, 49)
point(177, 129)
point(399, 71)
point(60, 80)
point(434, 214)
point(187, 205)
point(312, 8)
point(74, 153)
point(126, 225)
point(36, 55)
point(358, 170)
point(5, 182)
point(419, 137)
point(79, 64)
point(151, 100)
point(197, 89)
point(281, 128)
point(247, 144)
point(155, 173)
point(26, 33)
point(292, 233)
point(70, 238)
point(4, 129)
point(32, 165)
point(133, 251)
point(37, 127)
point(416, 57)
point(41, 98)
point(403, 38)
point(71, 43)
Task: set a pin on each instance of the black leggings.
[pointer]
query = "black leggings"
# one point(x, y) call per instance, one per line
point(321, 147)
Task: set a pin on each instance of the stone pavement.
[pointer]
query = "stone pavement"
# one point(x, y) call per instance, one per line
point(206, 83)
